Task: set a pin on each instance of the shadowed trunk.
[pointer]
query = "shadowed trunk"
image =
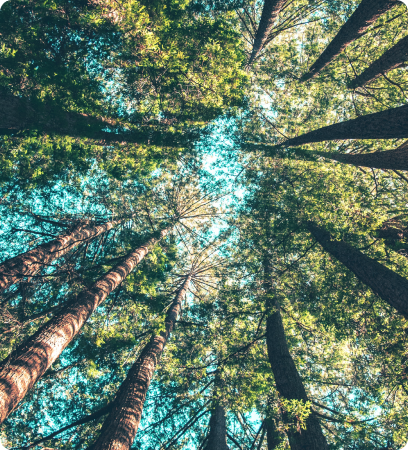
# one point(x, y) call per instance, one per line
point(367, 13)
point(26, 365)
point(22, 113)
point(393, 58)
point(217, 438)
point(287, 379)
point(396, 159)
point(388, 124)
point(270, 12)
point(120, 427)
point(29, 263)
point(273, 436)
point(384, 282)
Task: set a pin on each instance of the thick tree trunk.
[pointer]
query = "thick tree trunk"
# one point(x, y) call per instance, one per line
point(217, 438)
point(393, 58)
point(385, 283)
point(26, 365)
point(270, 12)
point(388, 124)
point(21, 113)
point(367, 13)
point(396, 159)
point(120, 427)
point(29, 263)
point(287, 379)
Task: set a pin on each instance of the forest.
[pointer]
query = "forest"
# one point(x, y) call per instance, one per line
point(204, 225)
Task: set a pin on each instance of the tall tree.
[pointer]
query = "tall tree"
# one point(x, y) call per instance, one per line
point(26, 365)
point(396, 56)
point(367, 13)
point(287, 378)
point(217, 437)
point(384, 282)
point(270, 12)
point(120, 427)
point(388, 124)
point(30, 262)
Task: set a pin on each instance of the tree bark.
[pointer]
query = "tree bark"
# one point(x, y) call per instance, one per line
point(396, 159)
point(287, 379)
point(384, 282)
point(270, 12)
point(29, 263)
point(273, 436)
point(120, 427)
point(367, 13)
point(388, 124)
point(393, 58)
point(26, 365)
point(217, 438)
point(17, 113)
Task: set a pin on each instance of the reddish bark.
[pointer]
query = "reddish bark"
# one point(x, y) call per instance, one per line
point(29, 263)
point(21, 370)
point(287, 379)
point(270, 12)
point(367, 13)
point(384, 282)
point(217, 438)
point(120, 427)
point(393, 58)
point(388, 124)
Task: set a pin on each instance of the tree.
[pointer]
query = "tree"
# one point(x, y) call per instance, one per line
point(21, 370)
point(217, 437)
point(366, 14)
point(396, 56)
point(270, 12)
point(120, 427)
point(388, 285)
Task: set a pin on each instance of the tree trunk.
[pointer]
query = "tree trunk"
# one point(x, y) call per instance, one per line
point(21, 370)
point(393, 58)
point(18, 113)
point(287, 379)
point(119, 429)
point(384, 282)
point(29, 263)
point(388, 124)
point(270, 12)
point(367, 13)
point(217, 438)
point(396, 159)
point(273, 436)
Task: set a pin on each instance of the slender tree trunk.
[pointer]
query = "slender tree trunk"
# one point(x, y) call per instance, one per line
point(388, 124)
point(26, 365)
point(270, 12)
point(393, 58)
point(396, 159)
point(287, 379)
point(367, 13)
point(29, 263)
point(217, 438)
point(120, 427)
point(22, 113)
point(273, 436)
point(384, 282)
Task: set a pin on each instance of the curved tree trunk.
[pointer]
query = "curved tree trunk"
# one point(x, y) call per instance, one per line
point(396, 159)
point(384, 282)
point(393, 58)
point(270, 12)
point(388, 124)
point(29, 263)
point(367, 13)
point(17, 113)
point(26, 365)
point(217, 438)
point(120, 427)
point(287, 378)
